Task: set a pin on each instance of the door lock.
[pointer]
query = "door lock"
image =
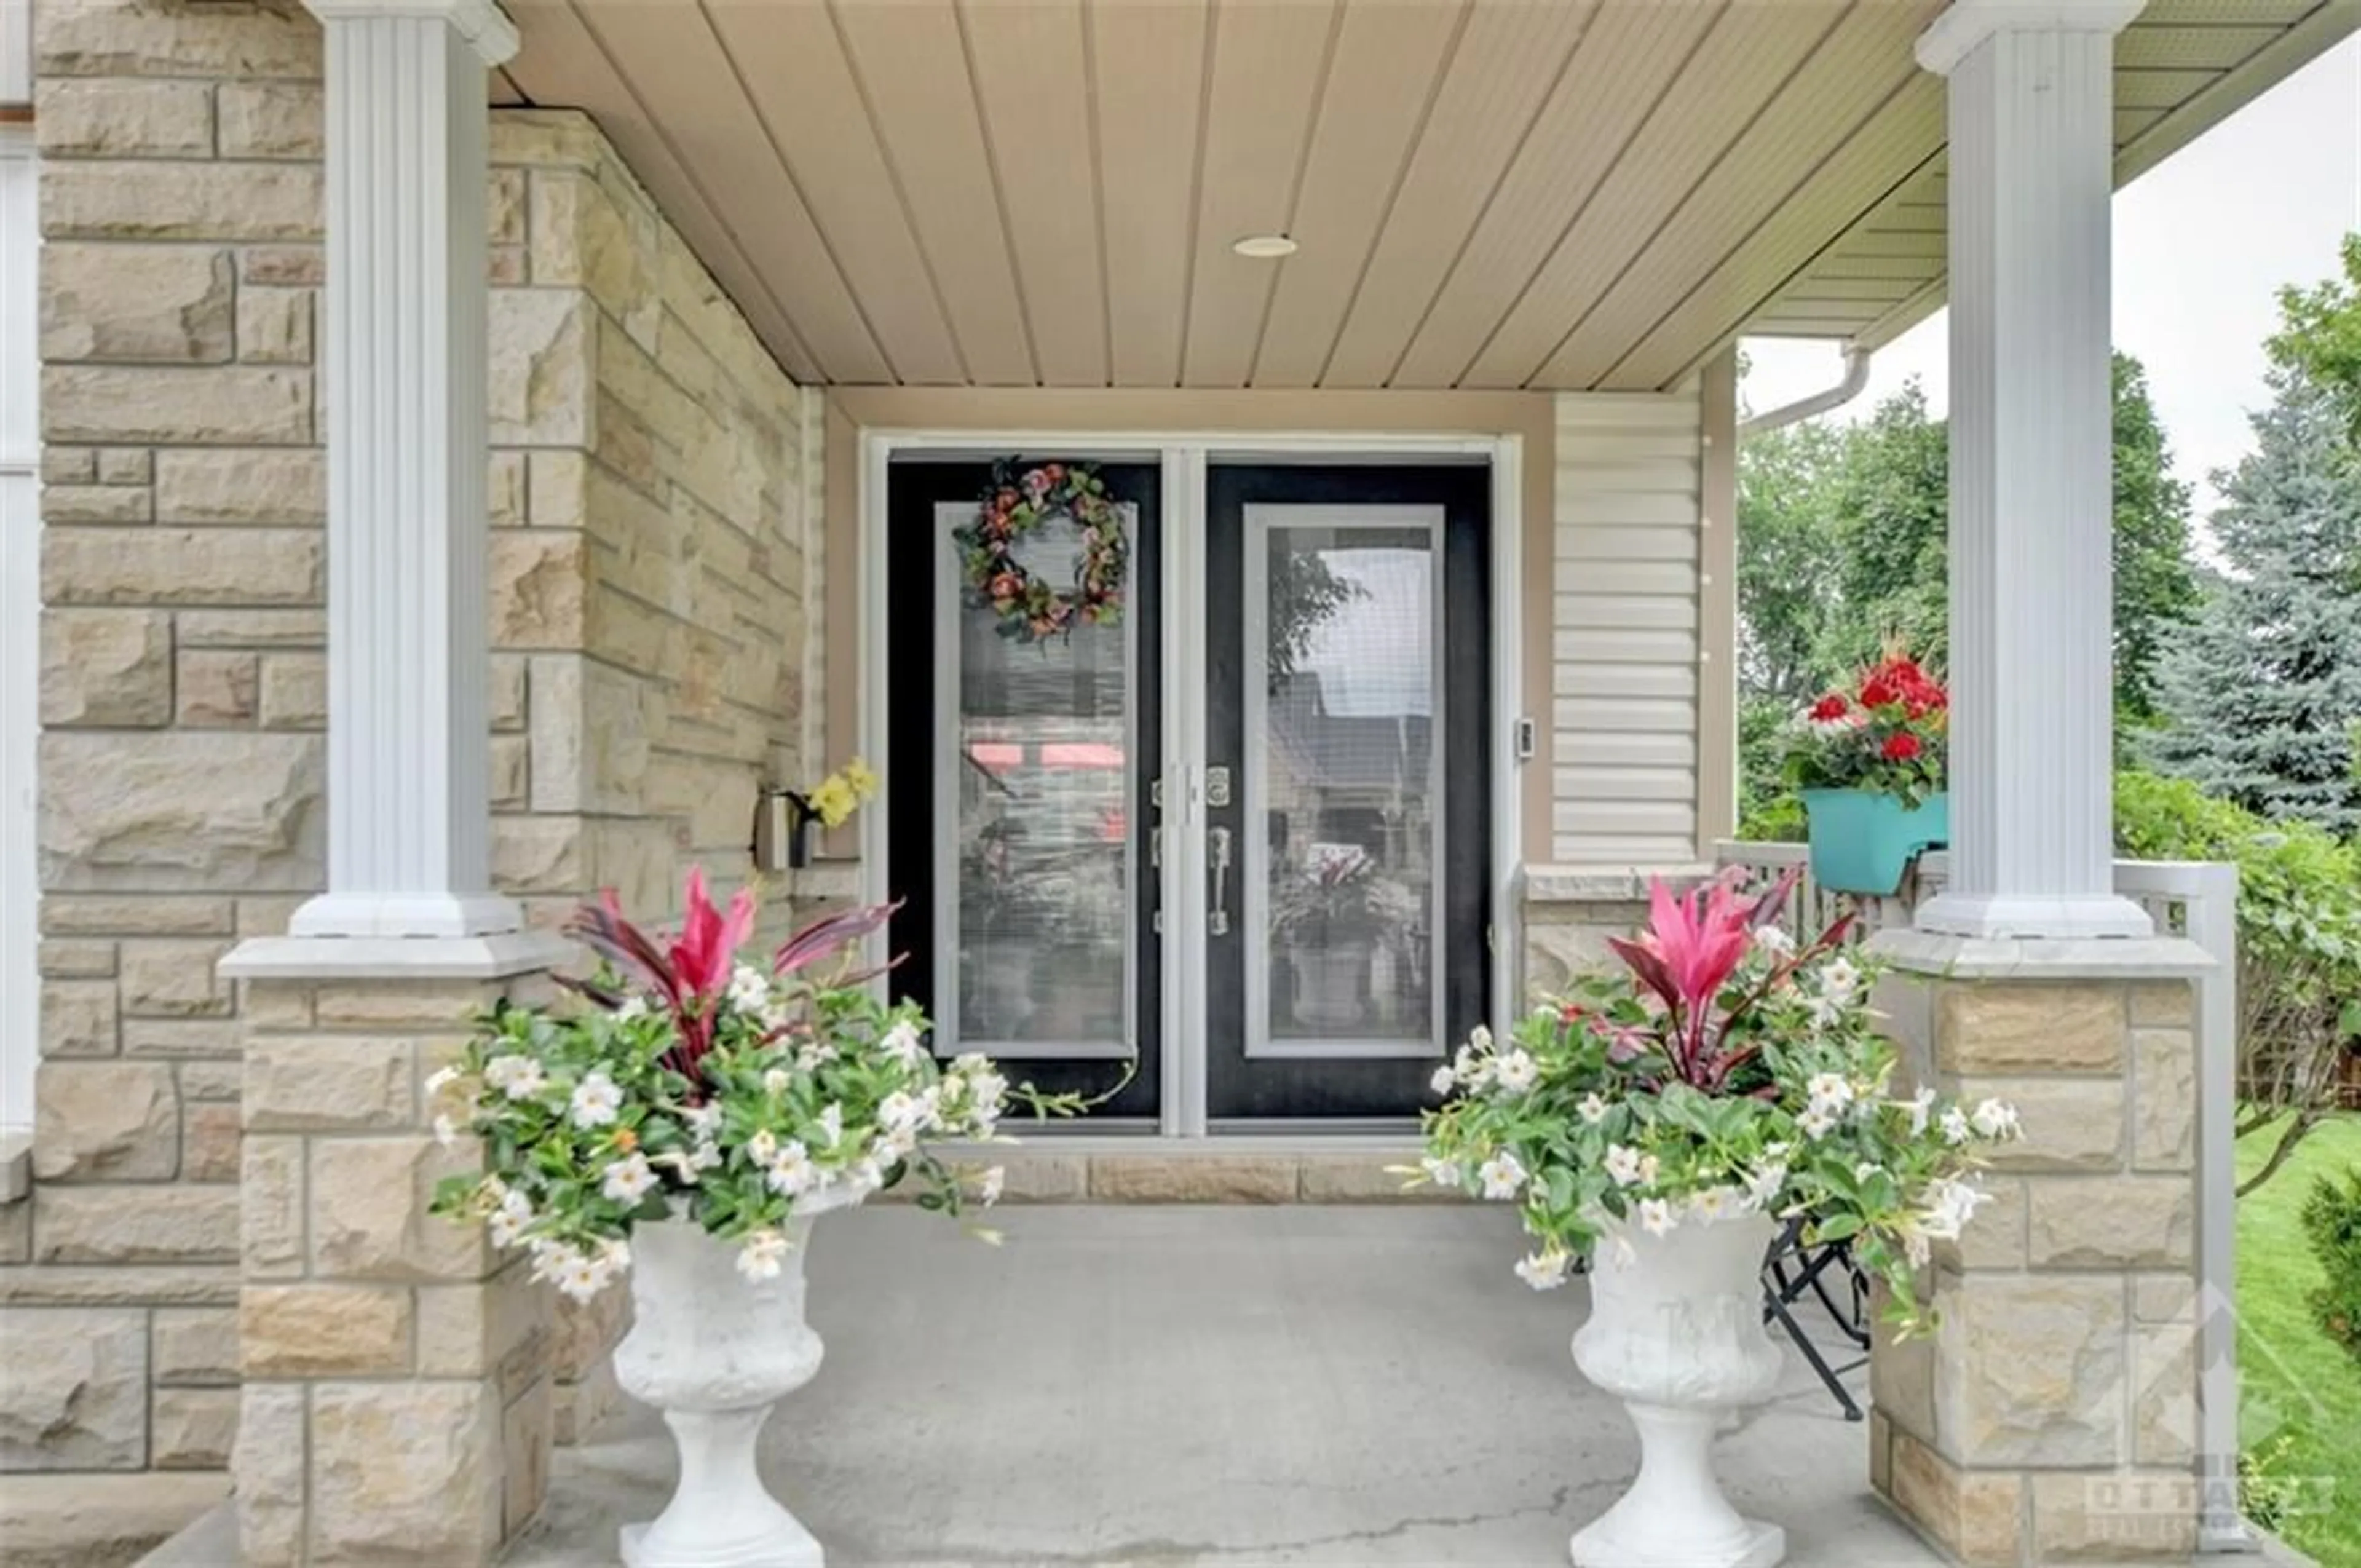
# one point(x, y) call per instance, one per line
point(1217, 787)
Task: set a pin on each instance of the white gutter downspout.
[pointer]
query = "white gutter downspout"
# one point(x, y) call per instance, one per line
point(1856, 376)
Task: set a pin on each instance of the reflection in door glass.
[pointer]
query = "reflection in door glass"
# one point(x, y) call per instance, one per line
point(1042, 754)
point(1347, 783)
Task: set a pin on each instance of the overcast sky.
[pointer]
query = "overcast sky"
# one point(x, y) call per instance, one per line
point(2203, 244)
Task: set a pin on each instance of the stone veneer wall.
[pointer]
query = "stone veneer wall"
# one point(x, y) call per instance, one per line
point(2053, 1416)
point(649, 498)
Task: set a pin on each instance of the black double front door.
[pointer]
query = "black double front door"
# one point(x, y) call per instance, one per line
point(1342, 948)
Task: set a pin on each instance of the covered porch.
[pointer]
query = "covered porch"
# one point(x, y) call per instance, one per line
point(734, 260)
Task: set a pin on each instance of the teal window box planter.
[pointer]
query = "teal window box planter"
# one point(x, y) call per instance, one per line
point(1864, 843)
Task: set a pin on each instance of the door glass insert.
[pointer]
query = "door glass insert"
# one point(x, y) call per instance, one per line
point(1343, 702)
point(1034, 948)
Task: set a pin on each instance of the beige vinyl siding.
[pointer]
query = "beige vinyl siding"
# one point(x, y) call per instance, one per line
point(1625, 630)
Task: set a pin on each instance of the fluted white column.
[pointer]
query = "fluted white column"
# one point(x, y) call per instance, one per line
point(2032, 145)
point(409, 667)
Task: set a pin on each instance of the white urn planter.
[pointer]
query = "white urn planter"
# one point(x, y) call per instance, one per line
point(714, 1351)
point(1675, 1332)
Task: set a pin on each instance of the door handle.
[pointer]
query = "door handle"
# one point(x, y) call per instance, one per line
point(1217, 852)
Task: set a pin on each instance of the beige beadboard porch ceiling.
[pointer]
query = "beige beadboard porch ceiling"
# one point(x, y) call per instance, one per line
point(1488, 193)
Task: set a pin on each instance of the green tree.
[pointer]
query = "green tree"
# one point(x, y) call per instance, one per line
point(2156, 586)
point(1787, 560)
point(1890, 525)
point(2260, 693)
point(2320, 334)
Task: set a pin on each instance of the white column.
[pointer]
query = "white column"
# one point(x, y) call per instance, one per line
point(2032, 142)
point(409, 670)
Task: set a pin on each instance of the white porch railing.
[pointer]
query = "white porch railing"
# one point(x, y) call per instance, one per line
point(2187, 899)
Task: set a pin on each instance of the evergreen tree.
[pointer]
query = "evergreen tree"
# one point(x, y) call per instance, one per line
point(2261, 693)
point(2156, 589)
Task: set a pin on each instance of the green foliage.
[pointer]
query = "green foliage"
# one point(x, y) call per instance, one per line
point(1843, 544)
point(2261, 693)
point(2155, 590)
point(1725, 1074)
point(2320, 336)
point(2298, 940)
point(2299, 1399)
point(2331, 1222)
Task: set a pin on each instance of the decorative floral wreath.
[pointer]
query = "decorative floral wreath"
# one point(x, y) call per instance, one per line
point(1016, 505)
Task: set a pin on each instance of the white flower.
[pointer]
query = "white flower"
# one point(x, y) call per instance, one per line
point(581, 1277)
point(750, 992)
point(899, 1112)
point(596, 1101)
point(1920, 1106)
point(441, 1079)
point(1442, 1172)
point(1503, 1176)
point(508, 1221)
point(775, 1081)
point(1544, 1270)
point(629, 1008)
point(1994, 1119)
point(1955, 1126)
point(1816, 1122)
point(1774, 940)
point(1648, 1167)
point(1656, 1216)
point(792, 1173)
point(831, 1123)
point(988, 1191)
point(902, 1043)
point(1470, 1069)
point(1829, 1090)
point(446, 1132)
point(1763, 1184)
point(1444, 1081)
point(760, 1257)
point(866, 1176)
point(1623, 1164)
point(1951, 1204)
point(1864, 1169)
point(1481, 1038)
point(703, 1121)
point(1592, 1110)
point(1711, 1203)
point(812, 1055)
point(988, 1087)
point(519, 1077)
point(628, 1180)
point(1838, 978)
point(1517, 1072)
point(763, 1147)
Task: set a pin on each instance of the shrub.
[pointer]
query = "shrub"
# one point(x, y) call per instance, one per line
point(2331, 1222)
point(2299, 942)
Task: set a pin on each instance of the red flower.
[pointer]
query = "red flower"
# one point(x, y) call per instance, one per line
point(1901, 747)
point(1880, 689)
point(1831, 707)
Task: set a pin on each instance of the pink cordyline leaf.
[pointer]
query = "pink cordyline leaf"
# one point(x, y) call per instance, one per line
point(1686, 955)
point(708, 943)
point(828, 934)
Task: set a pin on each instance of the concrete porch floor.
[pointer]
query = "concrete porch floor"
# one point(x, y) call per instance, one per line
point(1210, 1386)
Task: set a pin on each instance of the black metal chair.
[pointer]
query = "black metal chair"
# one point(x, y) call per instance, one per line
point(1829, 1272)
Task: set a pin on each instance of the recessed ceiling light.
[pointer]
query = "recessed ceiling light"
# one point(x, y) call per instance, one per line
point(1265, 247)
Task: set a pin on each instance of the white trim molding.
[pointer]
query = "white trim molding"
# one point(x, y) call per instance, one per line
point(484, 25)
point(1953, 36)
point(2032, 145)
point(21, 627)
point(404, 383)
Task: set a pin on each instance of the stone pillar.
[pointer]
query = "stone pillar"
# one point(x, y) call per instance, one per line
point(2032, 145)
point(2053, 1416)
point(396, 1405)
point(405, 386)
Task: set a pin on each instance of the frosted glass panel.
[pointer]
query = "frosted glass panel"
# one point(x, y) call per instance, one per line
point(1342, 707)
point(1040, 862)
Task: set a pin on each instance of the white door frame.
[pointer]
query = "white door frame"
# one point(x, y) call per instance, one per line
point(20, 619)
point(1184, 457)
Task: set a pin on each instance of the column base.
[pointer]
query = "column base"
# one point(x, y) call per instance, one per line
point(2014, 917)
point(494, 957)
point(406, 915)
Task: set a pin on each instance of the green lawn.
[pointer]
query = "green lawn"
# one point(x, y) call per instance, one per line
point(2292, 1378)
